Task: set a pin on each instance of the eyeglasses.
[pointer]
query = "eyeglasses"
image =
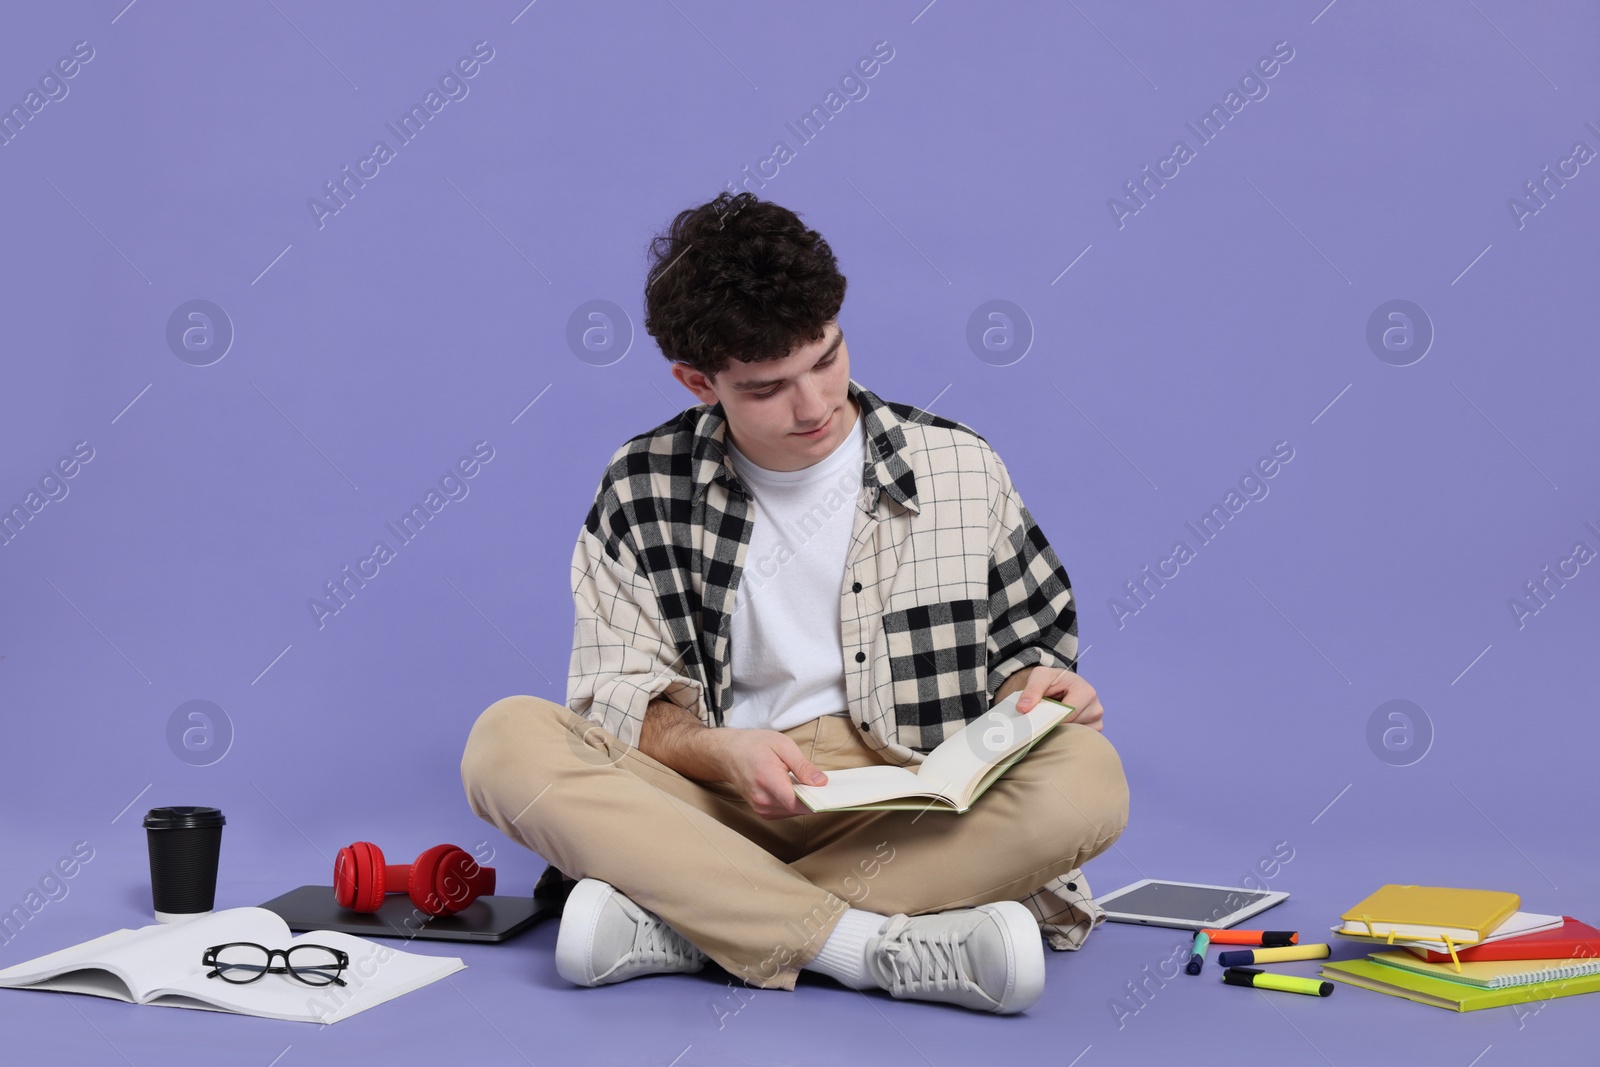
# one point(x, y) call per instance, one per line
point(241, 962)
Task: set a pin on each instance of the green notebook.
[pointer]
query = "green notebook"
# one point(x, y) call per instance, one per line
point(1492, 974)
point(1457, 996)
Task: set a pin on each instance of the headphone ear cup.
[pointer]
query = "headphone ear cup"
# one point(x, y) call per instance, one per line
point(426, 873)
point(344, 877)
point(445, 879)
point(358, 876)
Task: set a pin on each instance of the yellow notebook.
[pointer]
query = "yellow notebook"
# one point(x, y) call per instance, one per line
point(1428, 913)
point(1457, 996)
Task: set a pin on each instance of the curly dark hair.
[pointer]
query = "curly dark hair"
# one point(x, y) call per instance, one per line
point(739, 278)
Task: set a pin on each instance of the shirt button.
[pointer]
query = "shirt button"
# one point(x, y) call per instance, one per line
point(863, 727)
point(861, 657)
point(856, 588)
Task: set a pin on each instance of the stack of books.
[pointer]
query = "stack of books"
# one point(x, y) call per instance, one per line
point(1466, 949)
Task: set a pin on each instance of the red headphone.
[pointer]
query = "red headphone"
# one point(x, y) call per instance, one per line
point(442, 881)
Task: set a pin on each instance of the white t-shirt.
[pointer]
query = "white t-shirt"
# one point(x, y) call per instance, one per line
point(784, 640)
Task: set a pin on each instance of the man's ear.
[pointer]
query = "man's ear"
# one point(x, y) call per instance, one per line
point(696, 382)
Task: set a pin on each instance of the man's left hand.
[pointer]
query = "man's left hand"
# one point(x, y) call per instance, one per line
point(1067, 687)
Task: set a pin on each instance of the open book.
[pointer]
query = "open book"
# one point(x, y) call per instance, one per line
point(160, 964)
point(953, 775)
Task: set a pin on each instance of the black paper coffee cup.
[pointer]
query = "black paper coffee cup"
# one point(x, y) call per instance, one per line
point(185, 843)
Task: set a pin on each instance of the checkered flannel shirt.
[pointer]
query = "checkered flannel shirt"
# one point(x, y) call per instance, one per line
point(949, 588)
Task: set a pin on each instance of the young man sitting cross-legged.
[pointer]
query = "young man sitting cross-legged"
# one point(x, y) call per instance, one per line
point(792, 577)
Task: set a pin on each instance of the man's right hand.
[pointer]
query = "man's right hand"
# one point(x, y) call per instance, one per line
point(757, 764)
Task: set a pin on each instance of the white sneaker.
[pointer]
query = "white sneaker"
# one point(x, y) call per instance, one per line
point(988, 958)
point(605, 938)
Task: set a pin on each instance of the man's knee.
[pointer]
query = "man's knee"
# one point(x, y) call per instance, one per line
point(1110, 795)
point(1091, 792)
point(498, 741)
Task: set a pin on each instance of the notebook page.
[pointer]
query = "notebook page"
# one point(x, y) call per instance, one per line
point(376, 973)
point(98, 983)
point(30, 971)
point(141, 958)
point(163, 952)
point(1409, 933)
point(90, 980)
point(1523, 922)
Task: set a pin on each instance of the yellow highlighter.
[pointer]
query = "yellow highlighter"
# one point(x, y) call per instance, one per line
point(1248, 957)
point(1287, 983)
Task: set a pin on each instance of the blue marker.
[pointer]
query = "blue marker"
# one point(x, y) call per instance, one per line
point(1197, 953)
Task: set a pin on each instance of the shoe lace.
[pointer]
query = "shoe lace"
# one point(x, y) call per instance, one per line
point(658, 945)
point(926, 962)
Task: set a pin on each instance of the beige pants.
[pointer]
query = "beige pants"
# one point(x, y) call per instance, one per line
point(760, 896)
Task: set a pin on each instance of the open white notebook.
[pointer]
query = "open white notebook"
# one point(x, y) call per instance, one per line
point(160, 964)
point(951, 777)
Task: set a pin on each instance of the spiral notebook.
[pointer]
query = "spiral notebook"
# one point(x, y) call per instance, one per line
point(1446, 993)
point(1493, 974)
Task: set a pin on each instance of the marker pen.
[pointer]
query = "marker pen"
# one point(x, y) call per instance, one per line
point(1197, 953)
point(1250, 956)
point(1264, 938)
point(1286, 983)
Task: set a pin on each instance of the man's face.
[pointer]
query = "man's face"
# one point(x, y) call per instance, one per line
point(784, 414)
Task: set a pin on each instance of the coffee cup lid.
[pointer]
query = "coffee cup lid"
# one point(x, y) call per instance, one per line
point(183, 817)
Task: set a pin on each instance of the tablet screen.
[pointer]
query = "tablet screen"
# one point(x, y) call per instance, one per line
point(1190, 903)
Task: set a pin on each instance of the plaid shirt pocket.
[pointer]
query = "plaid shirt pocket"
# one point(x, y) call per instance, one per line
point(938, 661)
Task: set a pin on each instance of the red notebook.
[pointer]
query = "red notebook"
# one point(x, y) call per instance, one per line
point(1571, 940)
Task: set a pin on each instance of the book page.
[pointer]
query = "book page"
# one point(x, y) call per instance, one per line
point(160, 964)
point(31, 971)
point(90, 980)
point(921, 802)
point(1523, 922)
point(993, 775)
point(99, 983)
point(958, 766)
point(956, 771)
point(1409, 933)
point(144, 958)
point(862, 785)
point(163, 952)
point(376, 973)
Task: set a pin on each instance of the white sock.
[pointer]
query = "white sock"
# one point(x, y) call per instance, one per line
point(844, 955)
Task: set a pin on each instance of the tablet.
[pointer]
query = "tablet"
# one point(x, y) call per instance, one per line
point(1186, 905)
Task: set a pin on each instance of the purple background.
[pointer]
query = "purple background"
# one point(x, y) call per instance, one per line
point(1229, 314)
